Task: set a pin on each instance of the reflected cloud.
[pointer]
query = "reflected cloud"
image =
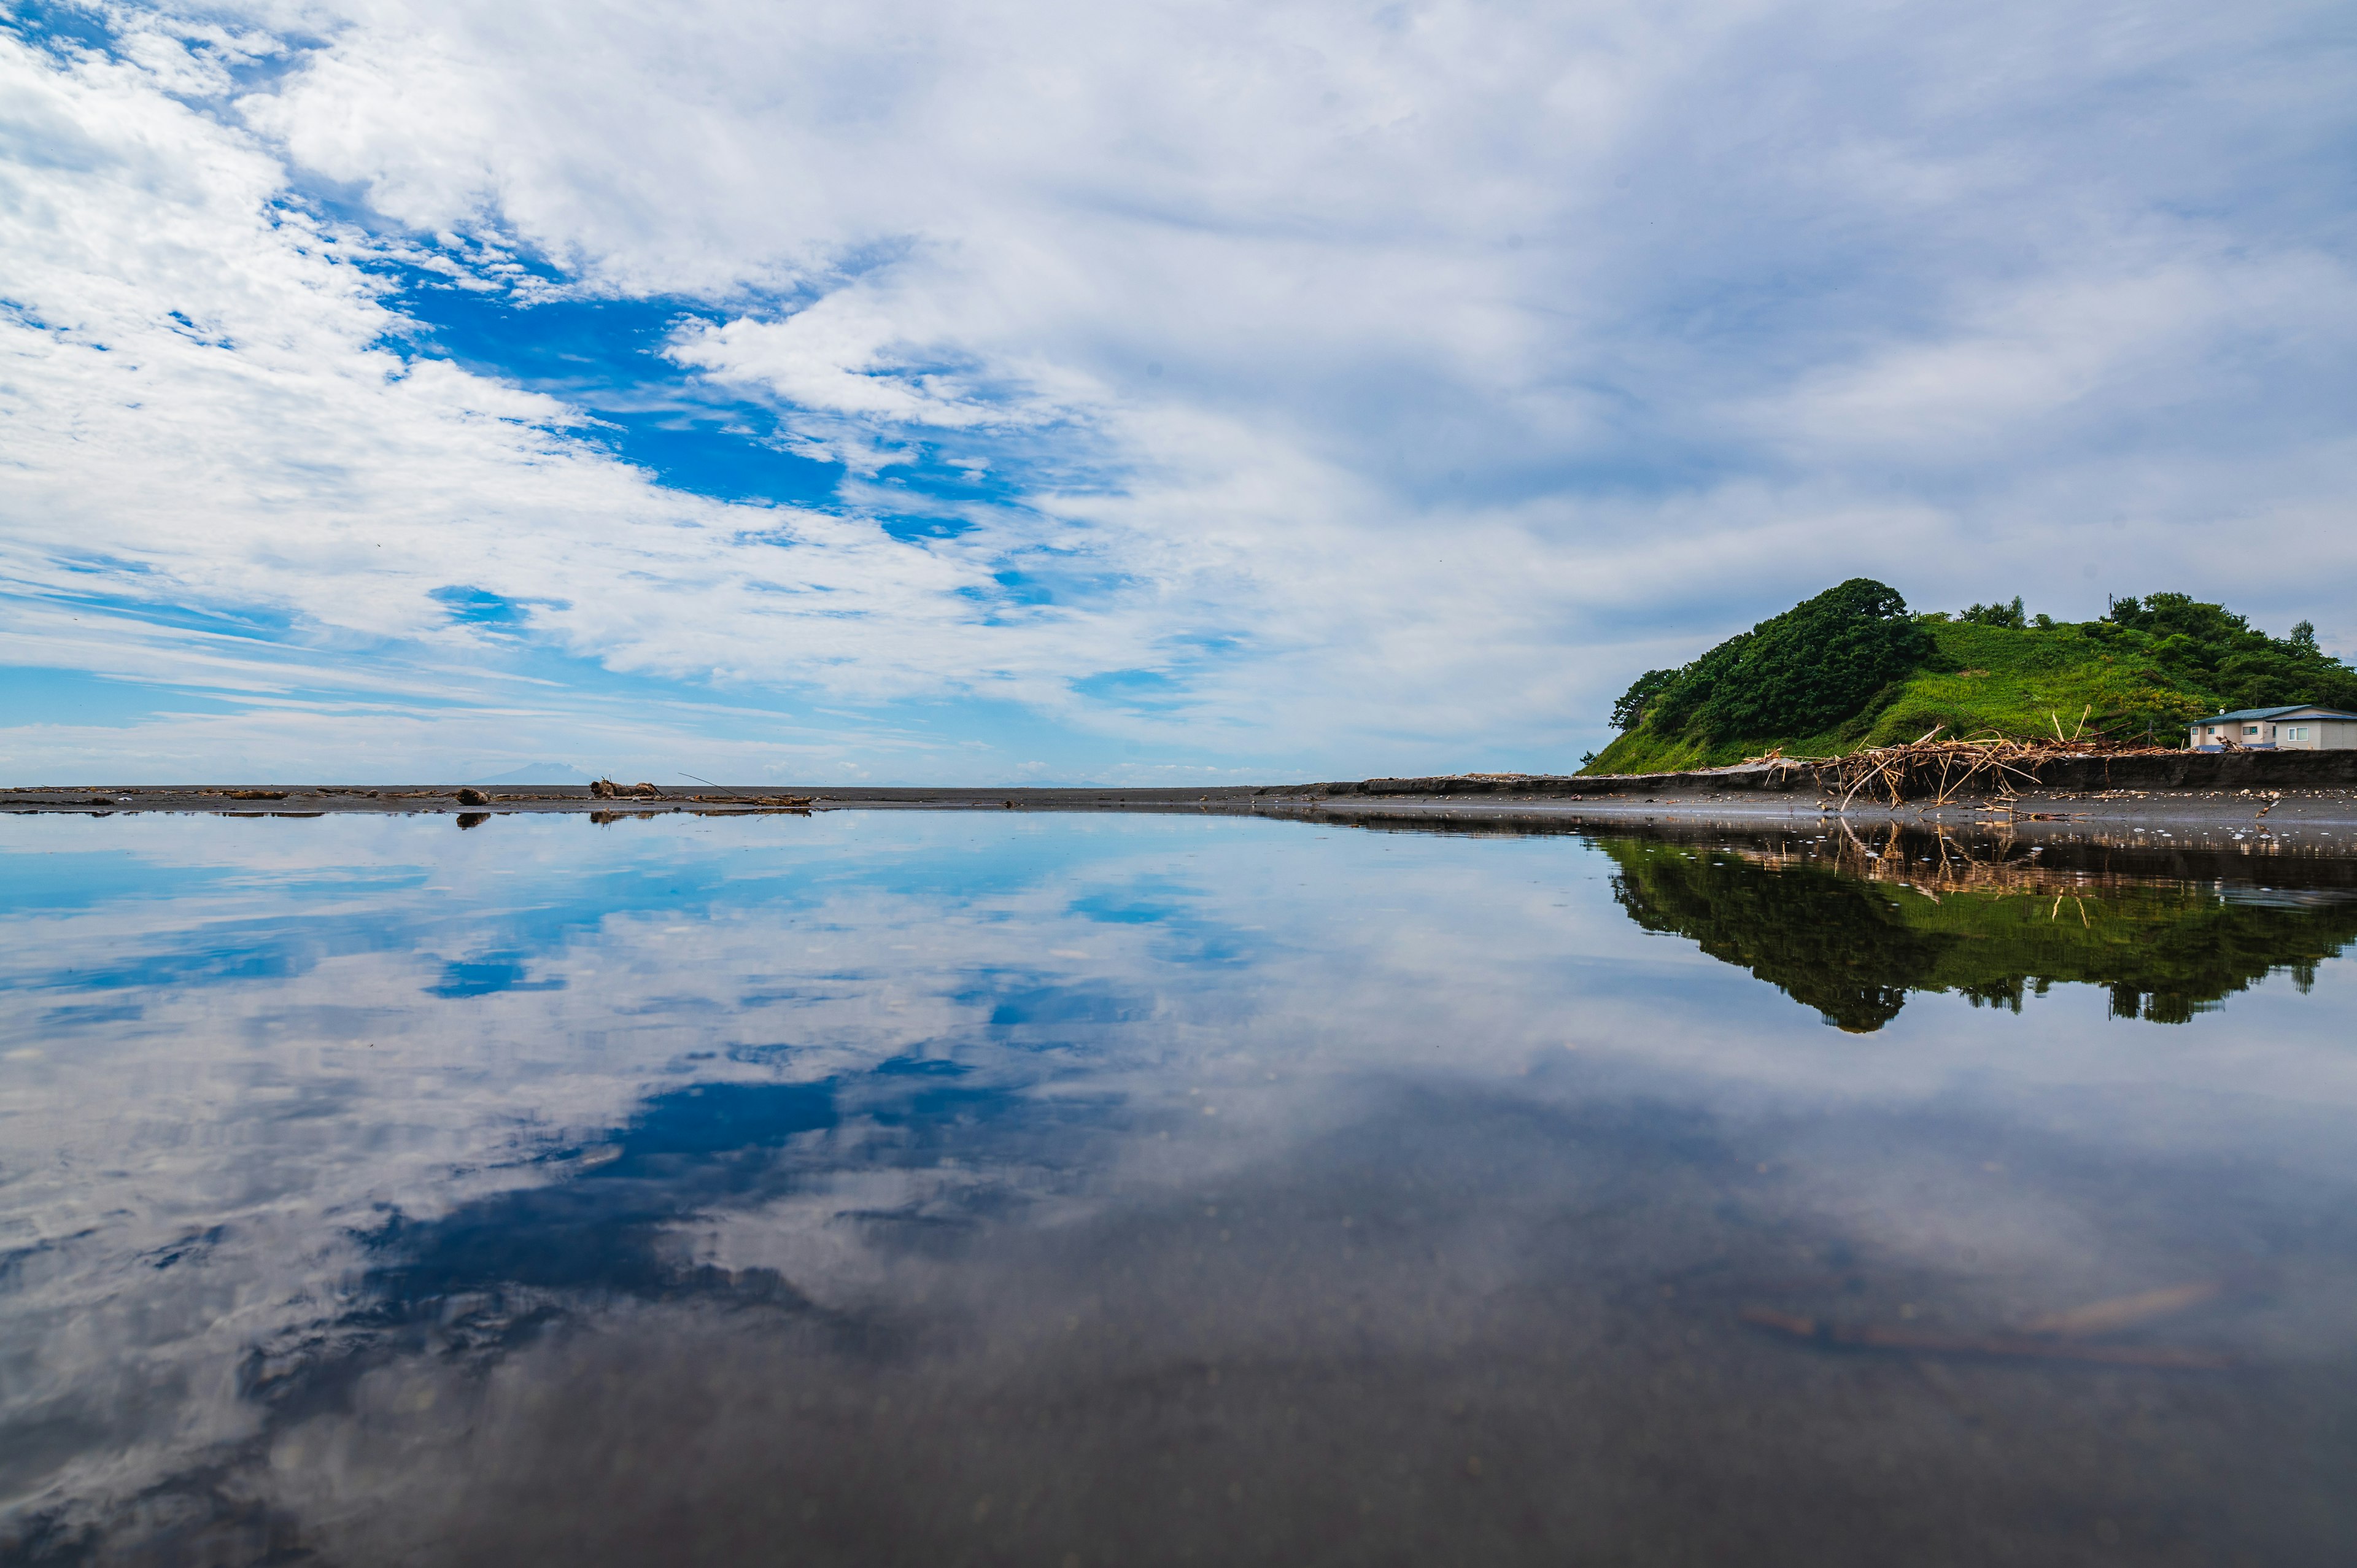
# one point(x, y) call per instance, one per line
point(376, 1192)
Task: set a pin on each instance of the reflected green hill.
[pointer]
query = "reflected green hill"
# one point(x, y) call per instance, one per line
point(1853, 939)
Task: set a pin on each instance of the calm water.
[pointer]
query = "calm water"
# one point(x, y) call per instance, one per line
point(877, 1188)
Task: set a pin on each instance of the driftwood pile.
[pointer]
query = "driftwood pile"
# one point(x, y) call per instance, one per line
point(1944, 768)
point(607, 790)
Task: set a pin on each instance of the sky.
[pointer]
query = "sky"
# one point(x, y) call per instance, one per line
point(1172, 394)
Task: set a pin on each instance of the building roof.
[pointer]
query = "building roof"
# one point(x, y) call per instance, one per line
point(2276, 713)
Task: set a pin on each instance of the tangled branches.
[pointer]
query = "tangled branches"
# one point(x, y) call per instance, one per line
point(1945, 769)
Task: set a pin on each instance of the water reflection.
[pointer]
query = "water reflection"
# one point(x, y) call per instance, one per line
point(1851, 928)
point(860, 1189)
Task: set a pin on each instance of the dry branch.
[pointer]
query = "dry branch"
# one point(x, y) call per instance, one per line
point(1942, 768)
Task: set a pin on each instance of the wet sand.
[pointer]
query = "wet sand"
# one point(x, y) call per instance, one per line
point(2247, 819)
point(320, 800)
point(2322, 819)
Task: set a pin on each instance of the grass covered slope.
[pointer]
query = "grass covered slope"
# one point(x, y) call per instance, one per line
point(2023, 682)
point(2148, 669)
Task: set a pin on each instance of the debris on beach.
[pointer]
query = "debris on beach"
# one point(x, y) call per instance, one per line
point(2076, 1334)
point(1827, 1334)
point(1944, 767)
point(607, 790)
point(2123, 1312)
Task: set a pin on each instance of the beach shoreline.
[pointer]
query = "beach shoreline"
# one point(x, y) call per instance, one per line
point(2322, 815)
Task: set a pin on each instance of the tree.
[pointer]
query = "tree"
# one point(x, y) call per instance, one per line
point(1801, 673)
point(1996, 615)
point(2210, 646)
point(1629, 711)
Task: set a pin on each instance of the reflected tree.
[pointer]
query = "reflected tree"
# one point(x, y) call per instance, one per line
point(1826, 940)
point(1852, 941)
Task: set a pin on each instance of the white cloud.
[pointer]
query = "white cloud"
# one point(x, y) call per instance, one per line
point(2049, 366)
point(843, 355)
point(202, 404)
point(1399, 382)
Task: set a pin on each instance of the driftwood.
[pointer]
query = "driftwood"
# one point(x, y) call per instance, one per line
point(1944, 767)
point(2121, 1312)
point(1832, 1336)
point(1940, 863)
point(607, 790)
point(2051, 1336)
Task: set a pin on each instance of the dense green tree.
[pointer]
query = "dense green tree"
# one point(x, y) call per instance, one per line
point(1820, 662)
point(1629, 711)
point(2221, 651)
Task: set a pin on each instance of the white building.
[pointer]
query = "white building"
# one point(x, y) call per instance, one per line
point(2301, 728)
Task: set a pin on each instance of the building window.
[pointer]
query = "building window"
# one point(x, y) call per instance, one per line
point(2296, 732)
point(2250, 729)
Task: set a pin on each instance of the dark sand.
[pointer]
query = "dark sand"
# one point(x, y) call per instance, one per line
point(2249, 818)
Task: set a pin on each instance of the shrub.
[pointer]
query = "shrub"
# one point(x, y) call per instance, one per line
point(2000, 614)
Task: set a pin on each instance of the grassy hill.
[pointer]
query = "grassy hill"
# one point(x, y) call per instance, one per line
point(2148, 669)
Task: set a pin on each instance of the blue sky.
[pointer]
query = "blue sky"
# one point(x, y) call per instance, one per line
point(1036, 393)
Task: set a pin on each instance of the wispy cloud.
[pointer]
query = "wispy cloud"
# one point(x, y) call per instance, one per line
point(1315, 390)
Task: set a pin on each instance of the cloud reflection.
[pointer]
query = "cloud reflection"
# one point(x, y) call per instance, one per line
point(385, 1189)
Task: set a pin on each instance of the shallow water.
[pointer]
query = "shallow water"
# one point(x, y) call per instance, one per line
point(968, 1188)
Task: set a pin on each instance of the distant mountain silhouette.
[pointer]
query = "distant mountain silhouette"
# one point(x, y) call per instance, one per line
point(540, 773)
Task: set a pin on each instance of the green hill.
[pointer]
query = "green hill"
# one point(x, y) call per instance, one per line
point(1852, 668)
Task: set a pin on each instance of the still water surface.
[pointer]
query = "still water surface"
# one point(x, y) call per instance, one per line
point(943, 1188)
